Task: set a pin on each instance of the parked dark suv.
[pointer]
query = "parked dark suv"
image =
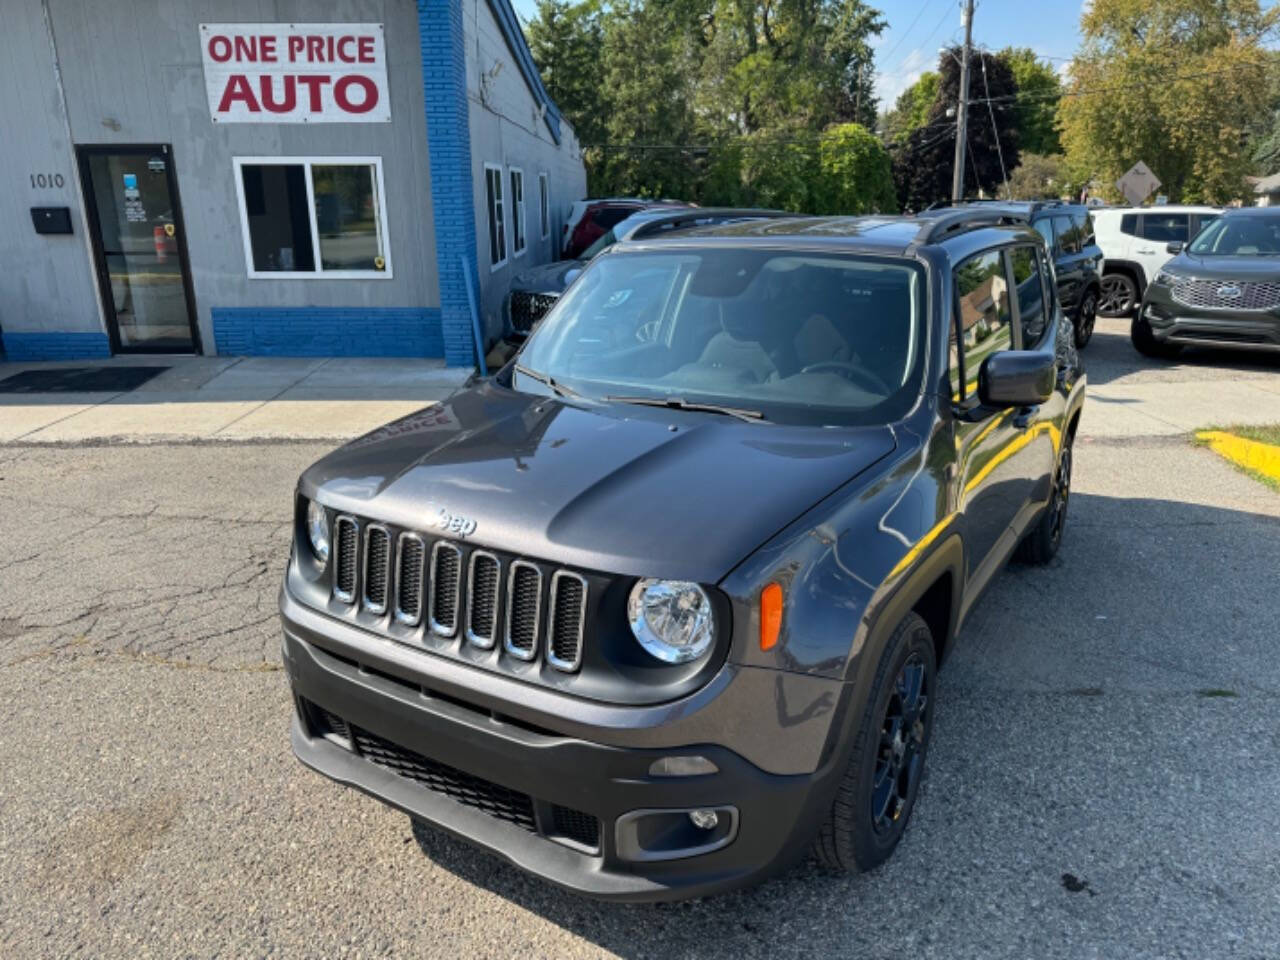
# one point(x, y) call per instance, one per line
point(658, 608)
point(1220, 290)
point(1077, 259)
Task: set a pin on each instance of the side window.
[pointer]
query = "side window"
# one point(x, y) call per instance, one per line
point(1083, 223)
point(1164, 227)
point(497, 217)
point(1129, 224)
point(1030, 288)
point(1068, 235)
point(1045, 226)
point(982, 292)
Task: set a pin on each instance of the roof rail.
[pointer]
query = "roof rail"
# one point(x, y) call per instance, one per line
point(953, 220)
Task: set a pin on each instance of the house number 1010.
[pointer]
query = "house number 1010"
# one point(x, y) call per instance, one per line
point(42, 181)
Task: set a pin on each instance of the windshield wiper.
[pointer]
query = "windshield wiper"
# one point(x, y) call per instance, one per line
point(678, 403)
point(548, 381)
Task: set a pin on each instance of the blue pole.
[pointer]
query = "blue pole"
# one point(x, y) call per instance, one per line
point(475, 317)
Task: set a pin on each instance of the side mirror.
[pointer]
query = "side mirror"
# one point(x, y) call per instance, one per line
point(1017, 378)
point(1174, 247)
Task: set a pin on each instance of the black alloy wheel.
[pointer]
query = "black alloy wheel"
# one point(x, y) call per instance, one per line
point(1042, 541)
point(1086, 318)
point(1061, 497)
point(900, 757)
point(1119, 295)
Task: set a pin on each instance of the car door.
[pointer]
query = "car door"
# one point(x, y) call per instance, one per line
point(994, 476)
point(1156, 230)
point(1069, 262)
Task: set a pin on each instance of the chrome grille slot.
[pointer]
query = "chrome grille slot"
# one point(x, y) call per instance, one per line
point(524, 610)
point(482, 599)
point(411, 556)
point(346, 554)
point(566, 620)
point(377, 565)
point(446, 577)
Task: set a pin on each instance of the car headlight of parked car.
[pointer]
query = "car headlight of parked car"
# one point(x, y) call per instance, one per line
point(318, 531)
point(672, 619)
point(1165, 279)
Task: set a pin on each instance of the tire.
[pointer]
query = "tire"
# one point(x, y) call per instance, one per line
point(1145, 343)
point(1086, 317)
point(1041, 543)
point(884, 772)
point(1119, 295)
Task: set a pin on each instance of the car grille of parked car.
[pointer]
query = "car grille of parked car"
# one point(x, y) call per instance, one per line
point(528, 308)
point(462, 591)
point(1246, 295)
point(503, 803)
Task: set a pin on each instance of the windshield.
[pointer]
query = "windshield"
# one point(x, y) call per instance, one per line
point(1240, 236)
point(604, 240)
point(811, 338)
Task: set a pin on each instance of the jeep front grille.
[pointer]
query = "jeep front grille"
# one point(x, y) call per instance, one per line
point(346, 556)
point(377, 563)
point(409, 565)
point(446, 583)
point(524, 609)
point(528, 308)
point(482, 599)
point(1250, 295)
point(445, 589)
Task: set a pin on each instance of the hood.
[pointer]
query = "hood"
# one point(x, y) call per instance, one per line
point(1225, 268)
point(547, 278)
point(611, 487)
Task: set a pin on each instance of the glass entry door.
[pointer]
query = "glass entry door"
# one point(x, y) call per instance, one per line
point(136, 229)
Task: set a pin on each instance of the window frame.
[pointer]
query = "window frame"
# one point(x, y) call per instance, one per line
point(519, 235)
point(544, 203)
point(492, 203)
point(307, 162)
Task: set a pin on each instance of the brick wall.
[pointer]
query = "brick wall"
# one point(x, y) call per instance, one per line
point(55, 346)
point(328, 331)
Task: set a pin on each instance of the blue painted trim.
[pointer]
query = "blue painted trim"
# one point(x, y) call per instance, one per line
point(444, 89)
point(328, 331)
point(20, 347)
point(512, 32)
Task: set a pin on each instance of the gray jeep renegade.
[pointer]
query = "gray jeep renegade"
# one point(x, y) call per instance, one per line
point(658, 609)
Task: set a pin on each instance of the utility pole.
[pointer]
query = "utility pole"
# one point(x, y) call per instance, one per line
point(962, 109)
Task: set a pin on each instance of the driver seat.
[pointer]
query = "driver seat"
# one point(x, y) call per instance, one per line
point(818, 341)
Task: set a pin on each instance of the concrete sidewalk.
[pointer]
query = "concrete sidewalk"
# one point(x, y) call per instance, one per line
point(231, 398)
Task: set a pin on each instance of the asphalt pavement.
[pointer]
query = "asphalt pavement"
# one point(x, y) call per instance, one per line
point(1104, 779)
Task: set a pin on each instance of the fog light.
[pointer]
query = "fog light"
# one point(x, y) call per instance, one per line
point(704, 819)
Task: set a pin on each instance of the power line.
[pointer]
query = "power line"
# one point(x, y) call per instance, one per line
point(905, 33)
point(1004, 174)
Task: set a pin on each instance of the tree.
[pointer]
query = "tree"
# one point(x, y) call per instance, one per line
point(855, 173)
point(567, 43)
point(911, 109)
point(1035, 111)
point(1177, 84)
point(1038, 177)
point(922, 164)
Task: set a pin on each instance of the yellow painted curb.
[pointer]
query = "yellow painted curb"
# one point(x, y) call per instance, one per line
point(1262, 457)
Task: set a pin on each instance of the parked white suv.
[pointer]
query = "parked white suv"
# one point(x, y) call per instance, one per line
point(1133, 242)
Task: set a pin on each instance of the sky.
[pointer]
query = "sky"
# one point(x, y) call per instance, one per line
point(917, 28)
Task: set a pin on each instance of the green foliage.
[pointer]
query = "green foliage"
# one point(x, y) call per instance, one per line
point(855, 173)
point(1179, 84)
point(1039, 91)
point(1039, 177)
point(911, 110)
point(567, 43)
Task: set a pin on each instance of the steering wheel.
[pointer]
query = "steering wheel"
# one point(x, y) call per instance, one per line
point(859, 375)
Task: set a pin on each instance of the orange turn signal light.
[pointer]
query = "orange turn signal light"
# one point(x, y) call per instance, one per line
point(770, 616)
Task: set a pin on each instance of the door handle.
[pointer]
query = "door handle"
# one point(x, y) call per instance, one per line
point(1022, 419)
point(1146, 251)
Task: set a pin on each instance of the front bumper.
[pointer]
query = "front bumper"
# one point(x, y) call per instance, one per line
point(509, 786)
point(1174, 322)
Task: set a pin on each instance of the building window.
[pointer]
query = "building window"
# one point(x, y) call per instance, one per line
point(497, 221)
point(517, 211)
point(314, 217)
point(544, 205)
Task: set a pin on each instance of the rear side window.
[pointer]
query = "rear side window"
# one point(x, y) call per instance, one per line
point(1068, 235)
point(610, 216)
point(1129, 224)
point(1164, 227)
point(982, 295)
point(1083, 223)
point(1030, 289)
point(1045, 227)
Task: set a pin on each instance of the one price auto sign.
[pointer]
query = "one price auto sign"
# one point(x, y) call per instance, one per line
point(295, 72)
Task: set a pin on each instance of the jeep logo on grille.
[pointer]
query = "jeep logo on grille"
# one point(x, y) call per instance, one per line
point(1229, 291)
point(442, 519)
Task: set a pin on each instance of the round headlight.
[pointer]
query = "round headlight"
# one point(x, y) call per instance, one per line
point(672, 619)
point(318, 531)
